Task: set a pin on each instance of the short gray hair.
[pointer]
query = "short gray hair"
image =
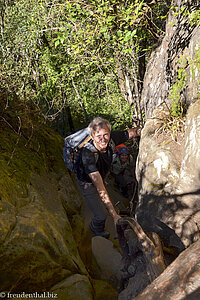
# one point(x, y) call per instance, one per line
point(97, 124)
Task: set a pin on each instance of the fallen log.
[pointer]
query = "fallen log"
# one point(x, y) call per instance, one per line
point(151, 248)
point(179, 281)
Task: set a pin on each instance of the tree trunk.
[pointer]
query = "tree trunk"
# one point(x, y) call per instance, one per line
point(81, 102)
point(69, 117)
point(180, 281)
point(151, 249)
point(2, 13)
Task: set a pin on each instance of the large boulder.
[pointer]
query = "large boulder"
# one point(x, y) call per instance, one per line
point(37, 196)
point(78, 287)
point(39, 248)
point(169, 187)
point(168, 163)
point(108, 259)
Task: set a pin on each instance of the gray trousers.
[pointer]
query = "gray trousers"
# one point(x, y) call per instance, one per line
point(93, 201)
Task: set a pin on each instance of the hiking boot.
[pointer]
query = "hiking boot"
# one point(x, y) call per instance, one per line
point(102, 233)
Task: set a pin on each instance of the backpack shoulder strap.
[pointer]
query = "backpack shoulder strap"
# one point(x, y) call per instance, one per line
point(84, 142)
point(89, 145)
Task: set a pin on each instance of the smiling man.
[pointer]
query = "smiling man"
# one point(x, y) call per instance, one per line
point(93, 169)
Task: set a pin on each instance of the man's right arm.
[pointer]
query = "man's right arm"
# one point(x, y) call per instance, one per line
point(103, 194)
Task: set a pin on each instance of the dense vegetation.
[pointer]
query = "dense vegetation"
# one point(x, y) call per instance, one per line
point(76, 59)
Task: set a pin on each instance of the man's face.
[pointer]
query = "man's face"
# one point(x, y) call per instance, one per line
point(123, 158)
point(101, 138)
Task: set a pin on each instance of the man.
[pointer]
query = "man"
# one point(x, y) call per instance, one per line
point(91, 173)
point(123, 170)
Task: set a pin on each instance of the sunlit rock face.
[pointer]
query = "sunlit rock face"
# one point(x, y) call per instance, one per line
point(167, 167)
point(168, 174)
point(190, 168)
point(168, 186)
point(178, 51)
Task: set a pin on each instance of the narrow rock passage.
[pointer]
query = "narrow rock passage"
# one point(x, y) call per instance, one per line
point(103, 257)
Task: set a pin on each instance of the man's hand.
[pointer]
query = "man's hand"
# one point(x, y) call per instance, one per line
point(116, 218)
point(98, 182)
point(139, 130)
point(134, 132)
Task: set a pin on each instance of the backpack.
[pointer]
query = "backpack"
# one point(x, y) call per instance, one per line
point(72, 149)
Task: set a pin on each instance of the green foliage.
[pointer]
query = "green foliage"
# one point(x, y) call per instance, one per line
point(177, 109)
point(178, 87)
point(194, 18)
point(185, 11)
point(70, 53)
point(187, 66)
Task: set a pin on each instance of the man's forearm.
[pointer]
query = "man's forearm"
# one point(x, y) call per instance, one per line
point(106, 200)
point(103, 194)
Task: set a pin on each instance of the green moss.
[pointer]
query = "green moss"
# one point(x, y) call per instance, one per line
point(103, 290)
point(187, 66)
point(29, 150)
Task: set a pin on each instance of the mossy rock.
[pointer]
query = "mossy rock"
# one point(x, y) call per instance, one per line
point(38, 247)
point(104, 291)
point(36, 197)
point(78, 287)
point(75, 287)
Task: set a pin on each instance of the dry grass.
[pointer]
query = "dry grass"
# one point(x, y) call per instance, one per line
point(170, 126)
point(169, 131)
